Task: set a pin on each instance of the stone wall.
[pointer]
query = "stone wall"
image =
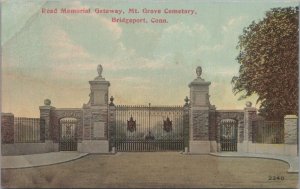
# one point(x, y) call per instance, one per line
point(212, 125)
point(57, 114)
point(28, 148)
point(99, 124)
point(111, 125)
point(87, 127)
point(275, 149)
point(200, 125)
point(249, 117)
point(7, 128)
point(45, 114)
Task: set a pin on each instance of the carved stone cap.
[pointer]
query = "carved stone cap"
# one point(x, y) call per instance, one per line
point(6, 114)
point(200, 82)
point(99, 82)
point(46, 107)
point(249, 107)
point(290, 117)
point(248, 104)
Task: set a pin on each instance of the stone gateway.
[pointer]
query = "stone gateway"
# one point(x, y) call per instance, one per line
point(100, 126)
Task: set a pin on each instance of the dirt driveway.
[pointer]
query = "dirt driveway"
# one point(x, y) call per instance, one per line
point(154, 170)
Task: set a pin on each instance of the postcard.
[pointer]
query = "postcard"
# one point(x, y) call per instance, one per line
point(149, 94)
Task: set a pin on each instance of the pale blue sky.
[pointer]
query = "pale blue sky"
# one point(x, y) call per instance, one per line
point(54, 56)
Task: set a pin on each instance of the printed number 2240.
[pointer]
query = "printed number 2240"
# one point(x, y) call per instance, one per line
point(276, 177)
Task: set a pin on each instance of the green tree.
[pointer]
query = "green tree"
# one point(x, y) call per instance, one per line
point(268, 61)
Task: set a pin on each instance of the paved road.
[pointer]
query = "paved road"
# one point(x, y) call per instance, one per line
point(154, 170)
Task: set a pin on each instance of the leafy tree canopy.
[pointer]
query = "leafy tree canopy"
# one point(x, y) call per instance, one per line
point(268, 61)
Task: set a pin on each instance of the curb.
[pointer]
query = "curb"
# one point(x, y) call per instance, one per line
point(40, 165)
point(290, 170)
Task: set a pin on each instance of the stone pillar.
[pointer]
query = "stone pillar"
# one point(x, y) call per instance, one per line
point(213, 129)
point(186, 120)
point(7, 128)
point(291, 135)
point(290, 129)
point(250, 114)
point(46, 126)
point(112, 124)
point(45, 116)
point(199, 117)
point(96, 117)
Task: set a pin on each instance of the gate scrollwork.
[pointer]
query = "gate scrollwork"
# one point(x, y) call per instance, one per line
point(131, 124)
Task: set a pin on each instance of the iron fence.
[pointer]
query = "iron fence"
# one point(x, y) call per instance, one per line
point(267, 132)
point(28, 130)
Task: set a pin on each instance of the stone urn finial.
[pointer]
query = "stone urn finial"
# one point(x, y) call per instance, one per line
point(47, 102)
point(199, 71)
point(248, 104)
point(186, 101)
point(111, 101)
point(99, 70)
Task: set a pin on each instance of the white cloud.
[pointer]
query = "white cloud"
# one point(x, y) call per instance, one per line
point(128, 58)
point(104, 22)
point(66, 58)
point(111, 26)
point(134, 62)
point(145, 63)
point(199, 28)
point(181, 28)
point(178, 27)
point(131, 79)
point(64, 49)
point(232, 23)
point(146, 30)
point(213, 48)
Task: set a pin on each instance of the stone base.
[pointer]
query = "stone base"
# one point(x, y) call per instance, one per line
point(244, 146)
point(52, 147)
point(213, 146)
point(200, 147)
point(28, 148)
point(278, 149)
point(291, 149)
point(93, 146)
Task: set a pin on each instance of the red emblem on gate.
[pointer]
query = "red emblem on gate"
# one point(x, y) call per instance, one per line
point(168, 125)
point(131, 125)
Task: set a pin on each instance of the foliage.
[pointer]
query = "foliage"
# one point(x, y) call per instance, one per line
point(269, 62)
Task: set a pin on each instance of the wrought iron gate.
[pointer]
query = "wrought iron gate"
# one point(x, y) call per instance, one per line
point(68, 141)
point(228, 137)
point(147, 128)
